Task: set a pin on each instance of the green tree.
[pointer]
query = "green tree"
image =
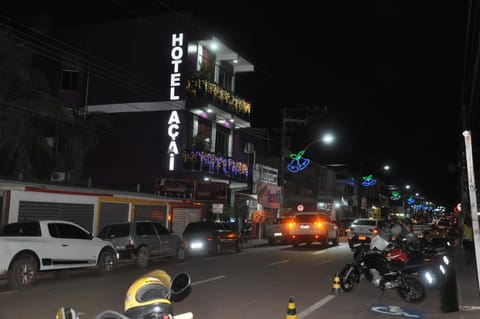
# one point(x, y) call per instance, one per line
point(24, 102)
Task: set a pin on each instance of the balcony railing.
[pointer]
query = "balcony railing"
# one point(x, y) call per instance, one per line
point(216, 165)
point(205, 88)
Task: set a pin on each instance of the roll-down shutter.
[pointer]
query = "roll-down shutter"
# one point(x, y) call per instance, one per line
point(111, 213)
point(81, 214)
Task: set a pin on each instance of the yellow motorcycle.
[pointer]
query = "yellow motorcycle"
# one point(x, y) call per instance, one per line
point(149, 297)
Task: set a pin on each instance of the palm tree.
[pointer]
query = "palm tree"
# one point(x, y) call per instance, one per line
point(24, 103)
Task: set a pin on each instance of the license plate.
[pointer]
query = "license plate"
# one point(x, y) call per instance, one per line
point(277, 234)
point(304, 226)
point(362, 237)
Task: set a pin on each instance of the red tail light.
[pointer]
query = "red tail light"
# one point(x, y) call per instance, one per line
point(209, 238)
point(374, 230)
point(129, 246)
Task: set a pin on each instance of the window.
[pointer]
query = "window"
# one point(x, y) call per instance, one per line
point(21, 229)
point(145, 229)
point(160, 229)
point(59, 230)
point(221, 141)
point(69, 80)
point(118, 230)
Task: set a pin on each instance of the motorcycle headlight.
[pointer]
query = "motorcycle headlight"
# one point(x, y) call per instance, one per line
point(429, 277)
point(442, 269)
point(446, 260)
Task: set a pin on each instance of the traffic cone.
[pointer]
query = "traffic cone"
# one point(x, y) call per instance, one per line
point(336, 289)
point(291, 311)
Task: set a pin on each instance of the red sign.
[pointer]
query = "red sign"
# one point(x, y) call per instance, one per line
point(300, 208)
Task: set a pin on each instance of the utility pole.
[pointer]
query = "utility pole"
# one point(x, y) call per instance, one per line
point(286, 119)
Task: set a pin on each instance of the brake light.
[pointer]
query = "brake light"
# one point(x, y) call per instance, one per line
point(231, 235)
point(129, 246)
point(374, 230)
point(291, 225)
point(209, 238)
point(318, 224)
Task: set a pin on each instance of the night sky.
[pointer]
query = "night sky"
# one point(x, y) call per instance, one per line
point(388, 72)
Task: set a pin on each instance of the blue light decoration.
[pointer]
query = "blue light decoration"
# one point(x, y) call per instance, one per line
point(368, 181)
point(410, 200)
point(420, 206)
point(350, 181)
point(298, 163)
point(395, 196)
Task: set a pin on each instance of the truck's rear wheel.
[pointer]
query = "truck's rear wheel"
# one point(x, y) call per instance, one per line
point(23, 272)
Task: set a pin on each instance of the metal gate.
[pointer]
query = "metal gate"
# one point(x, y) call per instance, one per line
point(111, 213)
point(182, 216)
point(81, 214)
point(151, 212)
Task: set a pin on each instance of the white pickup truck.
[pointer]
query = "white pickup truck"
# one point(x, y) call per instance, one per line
point(27, 248)
point(278, 231)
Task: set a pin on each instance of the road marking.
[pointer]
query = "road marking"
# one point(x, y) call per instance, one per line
point(207, 280)
point(7, 292)
point(315, 306)
point(318, 252)
point(279, 262)
point(323, 262)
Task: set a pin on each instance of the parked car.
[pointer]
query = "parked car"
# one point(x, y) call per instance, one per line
point(309, 227)
point(278, 231)
point(27, 248)
point(141, 240)
point(361, 230)
point(211, 238)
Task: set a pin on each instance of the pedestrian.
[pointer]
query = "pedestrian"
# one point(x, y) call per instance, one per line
point(467, 240)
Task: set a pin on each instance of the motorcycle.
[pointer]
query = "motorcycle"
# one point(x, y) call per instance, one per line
point(386, 267)
point(149, 297)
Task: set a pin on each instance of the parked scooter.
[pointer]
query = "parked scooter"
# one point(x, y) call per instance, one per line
point(148, 297)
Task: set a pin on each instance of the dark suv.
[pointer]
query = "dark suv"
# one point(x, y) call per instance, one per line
point(141, 240)
point(211, 238)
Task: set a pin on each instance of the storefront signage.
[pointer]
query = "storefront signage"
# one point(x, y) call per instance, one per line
point(177, 55)
point(173, 132)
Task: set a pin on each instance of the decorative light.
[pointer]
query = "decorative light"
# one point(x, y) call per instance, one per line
point(410, 200)
point(395, 196)
point(298, 163)
point(368, 181)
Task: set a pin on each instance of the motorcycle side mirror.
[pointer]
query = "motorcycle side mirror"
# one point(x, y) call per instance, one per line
point(66, 313)
point(180, 283)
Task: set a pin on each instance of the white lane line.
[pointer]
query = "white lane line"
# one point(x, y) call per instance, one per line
point(279, 262)
point(315, 306)
point(318, 252)
point(7, 292)
point(322, 262)
point(207, 280)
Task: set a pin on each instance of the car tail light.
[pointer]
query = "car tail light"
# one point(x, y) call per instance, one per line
point(292, 224)
point(374, 231)
point(129, 246)
point(209, 238)
point(231, 235)
point(318, 224)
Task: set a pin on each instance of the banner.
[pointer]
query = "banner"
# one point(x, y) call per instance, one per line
point(269, 195)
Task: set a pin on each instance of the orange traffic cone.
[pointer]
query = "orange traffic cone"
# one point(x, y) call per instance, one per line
point(336, 289)
point(291, 311)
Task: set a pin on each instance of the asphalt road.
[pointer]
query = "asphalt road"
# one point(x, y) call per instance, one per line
point(256, 283)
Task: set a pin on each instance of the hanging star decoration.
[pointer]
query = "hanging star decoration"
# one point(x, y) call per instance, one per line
point(298, 162)
point(368, 181)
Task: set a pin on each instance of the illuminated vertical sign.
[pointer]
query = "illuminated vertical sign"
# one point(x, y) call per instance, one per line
point(173, 132)
point(176, 55)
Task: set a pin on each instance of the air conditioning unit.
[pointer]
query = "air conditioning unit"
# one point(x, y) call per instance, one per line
point(57, 176)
